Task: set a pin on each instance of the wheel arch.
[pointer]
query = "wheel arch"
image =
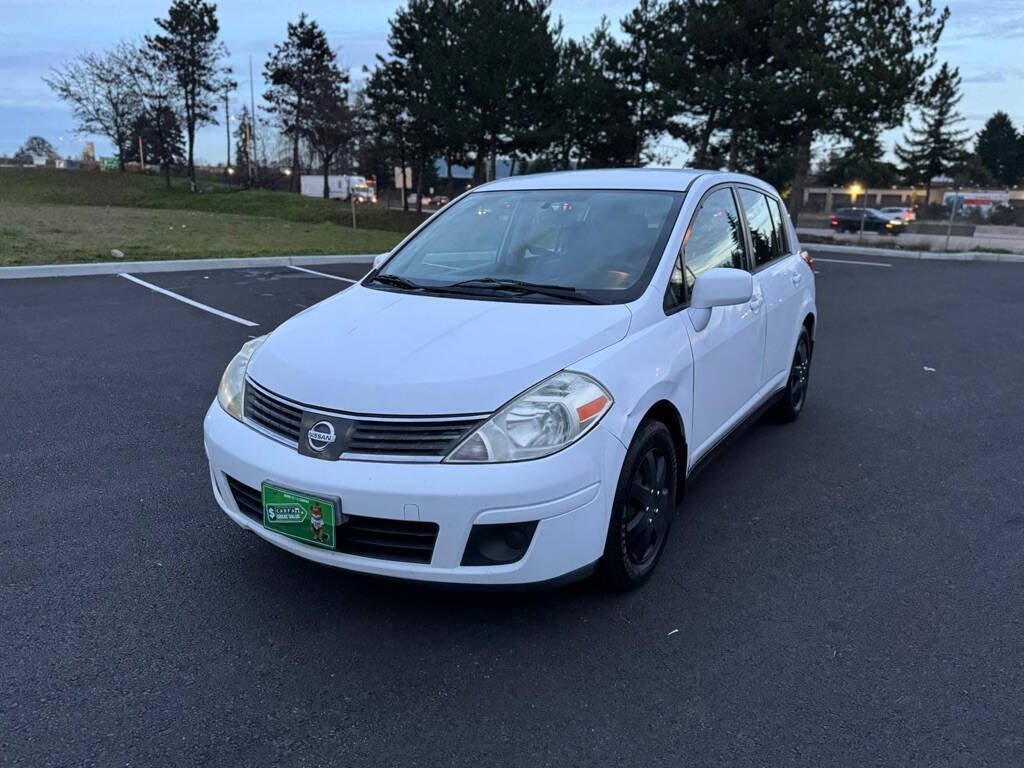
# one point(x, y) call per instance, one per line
point(667, 413)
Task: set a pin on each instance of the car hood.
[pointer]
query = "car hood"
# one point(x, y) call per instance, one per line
point(384, 352)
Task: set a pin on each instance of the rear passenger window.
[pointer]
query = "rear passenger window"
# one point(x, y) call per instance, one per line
point(714, 239)
point(764, 236)
point(779, 220)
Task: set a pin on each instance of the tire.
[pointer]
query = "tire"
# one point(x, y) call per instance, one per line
point(794, 396)
point(642, 512)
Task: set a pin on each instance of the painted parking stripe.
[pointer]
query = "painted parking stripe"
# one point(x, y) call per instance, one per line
point(190, 302)
point(322, 274)
point(861, 263)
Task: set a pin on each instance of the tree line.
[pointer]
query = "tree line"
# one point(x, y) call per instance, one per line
point(748, 85)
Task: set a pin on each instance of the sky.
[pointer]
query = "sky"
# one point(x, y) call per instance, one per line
point(983, 38)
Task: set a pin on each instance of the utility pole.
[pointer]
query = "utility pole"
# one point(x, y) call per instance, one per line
point(227, 128)
point(952, 213)
point(252, 123)
point(249, 148)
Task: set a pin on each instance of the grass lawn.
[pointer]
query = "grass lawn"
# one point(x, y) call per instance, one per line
point(52, 234)
point(52, 216)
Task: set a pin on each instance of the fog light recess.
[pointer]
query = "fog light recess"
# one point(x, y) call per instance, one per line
point(498, 544)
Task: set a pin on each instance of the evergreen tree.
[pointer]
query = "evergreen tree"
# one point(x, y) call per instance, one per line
point(384, 118)
point(859, 160)
point(589, 125)
point(1001, 150)
point(329, 125)
point(638, 64)
point(938, 146)
point(296, 71)
point(843, 68)
point(720, 73)
point(425, 81)
point(503, 88)
point(163, 143)
point(189, 48)
point(243, 144)
point(161, 104)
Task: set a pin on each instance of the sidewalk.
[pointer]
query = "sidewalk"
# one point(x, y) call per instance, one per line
point(998, 239)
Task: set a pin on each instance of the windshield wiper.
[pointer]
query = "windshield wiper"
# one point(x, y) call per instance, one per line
point(396, 282)
point(522, 286)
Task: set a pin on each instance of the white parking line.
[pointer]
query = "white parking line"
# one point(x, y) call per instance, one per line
point(861, 263)
point(190, 302)
point(322, 274)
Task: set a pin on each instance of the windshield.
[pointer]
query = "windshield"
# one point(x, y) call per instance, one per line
point(596, 245)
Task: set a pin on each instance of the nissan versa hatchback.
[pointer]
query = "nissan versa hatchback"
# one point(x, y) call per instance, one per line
point(517, 393)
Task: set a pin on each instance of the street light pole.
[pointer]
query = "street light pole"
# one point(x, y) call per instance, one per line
point(227, 128)
point(952, 212)
point(863, 215)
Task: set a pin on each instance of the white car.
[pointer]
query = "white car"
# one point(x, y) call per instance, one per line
point(517, 393)
point(905, 215)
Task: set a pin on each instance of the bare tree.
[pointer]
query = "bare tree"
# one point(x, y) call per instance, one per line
point(103, 94)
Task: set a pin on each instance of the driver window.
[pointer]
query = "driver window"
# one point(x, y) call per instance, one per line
point(714, 239)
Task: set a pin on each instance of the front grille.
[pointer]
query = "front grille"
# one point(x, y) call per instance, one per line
point(360, 435)
point(409, 541)
point(273, 414)
point(248, 500)
point(406, 438)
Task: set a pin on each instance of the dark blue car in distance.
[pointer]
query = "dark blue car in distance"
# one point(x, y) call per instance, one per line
point(849, 220)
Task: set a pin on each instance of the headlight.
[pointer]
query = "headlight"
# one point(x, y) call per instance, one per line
point(231, 392)
point(555, 413)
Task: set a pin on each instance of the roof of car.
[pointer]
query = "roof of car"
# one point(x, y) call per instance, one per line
point(669, 179)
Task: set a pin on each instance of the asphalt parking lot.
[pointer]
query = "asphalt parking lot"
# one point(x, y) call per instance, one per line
point(846, 590)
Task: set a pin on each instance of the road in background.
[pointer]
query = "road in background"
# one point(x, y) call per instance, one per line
point(845, 590)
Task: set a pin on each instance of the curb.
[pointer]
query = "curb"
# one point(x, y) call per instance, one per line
point(891, 253)
point(176, 265)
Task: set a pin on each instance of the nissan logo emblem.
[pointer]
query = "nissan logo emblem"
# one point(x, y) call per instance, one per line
point(320, 435)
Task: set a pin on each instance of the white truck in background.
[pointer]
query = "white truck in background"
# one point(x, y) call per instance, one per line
point(339, 187)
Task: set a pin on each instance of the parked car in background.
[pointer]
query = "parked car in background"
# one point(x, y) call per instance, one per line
point(906, 214)
point(850, 220)
point(412, 197)
point(518, 392)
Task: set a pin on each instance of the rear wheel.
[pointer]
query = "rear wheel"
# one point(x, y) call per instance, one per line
point(795, 395)
point(645, 502)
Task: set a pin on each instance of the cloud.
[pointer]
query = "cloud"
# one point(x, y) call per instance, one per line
point(992, 19)
point(994, 76)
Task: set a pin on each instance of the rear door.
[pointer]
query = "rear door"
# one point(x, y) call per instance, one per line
point(727, 352)
point(776, 268)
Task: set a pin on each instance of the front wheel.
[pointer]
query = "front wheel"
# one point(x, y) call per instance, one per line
point(645, 501)
point(795, 394)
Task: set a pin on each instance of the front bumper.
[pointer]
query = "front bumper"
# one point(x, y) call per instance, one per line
point(569, 493)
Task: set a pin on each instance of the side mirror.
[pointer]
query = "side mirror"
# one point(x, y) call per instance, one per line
point(721, 287)
point(379, 259)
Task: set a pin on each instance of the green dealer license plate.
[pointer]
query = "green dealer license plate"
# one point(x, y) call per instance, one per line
point(300, 515)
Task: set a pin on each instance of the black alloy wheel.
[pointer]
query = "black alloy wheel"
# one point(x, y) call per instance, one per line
point(794, 396)
point(647, 513)
point(643, 508)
